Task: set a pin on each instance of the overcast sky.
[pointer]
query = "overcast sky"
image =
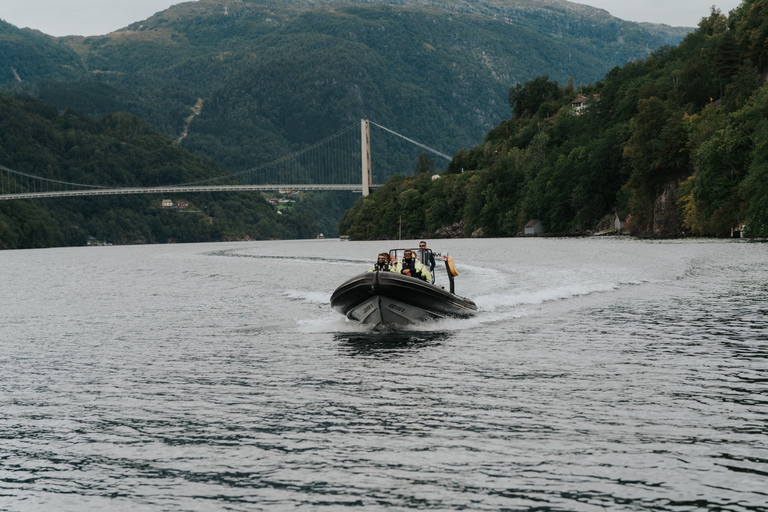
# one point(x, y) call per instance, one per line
point(99, 17)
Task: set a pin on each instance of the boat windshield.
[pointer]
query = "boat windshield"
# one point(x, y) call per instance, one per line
point(396, 255)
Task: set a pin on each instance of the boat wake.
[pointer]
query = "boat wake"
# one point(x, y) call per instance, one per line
point(504, 295)
point(237, 253)
point(307, 296)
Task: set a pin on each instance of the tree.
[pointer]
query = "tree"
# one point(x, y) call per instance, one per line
point(754, 187)
point(721, 162)
point(752, 32)
point(424, 166)
point(658, 154)
point(744, 84)
point(526, 99)
point(726, 58)
point(569, 86)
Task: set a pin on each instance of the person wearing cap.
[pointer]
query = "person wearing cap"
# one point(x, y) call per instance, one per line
point(411, 266)
point(382, 263)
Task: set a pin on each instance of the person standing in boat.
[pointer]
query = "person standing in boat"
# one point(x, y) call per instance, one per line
point(411, 266)
point(429, 258)
point(382, 263)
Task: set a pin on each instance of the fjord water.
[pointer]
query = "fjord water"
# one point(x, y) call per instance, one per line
point(602, 373)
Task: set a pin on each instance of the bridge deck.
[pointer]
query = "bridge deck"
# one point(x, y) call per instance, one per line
point(175, 190)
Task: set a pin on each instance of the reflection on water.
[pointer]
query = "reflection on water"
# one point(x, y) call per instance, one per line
point(388, 343)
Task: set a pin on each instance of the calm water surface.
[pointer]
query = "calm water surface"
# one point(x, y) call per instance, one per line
point(599, 374)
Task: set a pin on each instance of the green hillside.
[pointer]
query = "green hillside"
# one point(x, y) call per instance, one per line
point(676, 141)
point(122, 150)
point(28, 56)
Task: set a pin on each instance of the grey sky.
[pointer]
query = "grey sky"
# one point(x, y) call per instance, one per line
point(98, 17)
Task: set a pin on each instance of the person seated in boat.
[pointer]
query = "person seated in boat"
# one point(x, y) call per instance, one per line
point(430, 258)
point(382, 263)
point(411, 266)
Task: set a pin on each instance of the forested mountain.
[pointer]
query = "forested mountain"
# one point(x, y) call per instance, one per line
point(275, 76)
point(675, 141)
point(122, 150)
point(272, 77)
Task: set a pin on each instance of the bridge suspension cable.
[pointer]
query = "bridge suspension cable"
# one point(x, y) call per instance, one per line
point(12, 181)
point(331, 166)
point(413, 141)
point(333, 163)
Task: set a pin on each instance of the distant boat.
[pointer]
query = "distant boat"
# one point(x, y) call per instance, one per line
point(383, 299)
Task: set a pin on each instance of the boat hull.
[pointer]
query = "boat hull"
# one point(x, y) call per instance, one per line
point(389, 298)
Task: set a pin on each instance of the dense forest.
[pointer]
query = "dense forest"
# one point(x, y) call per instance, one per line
point(674, 142)
point(121, 150)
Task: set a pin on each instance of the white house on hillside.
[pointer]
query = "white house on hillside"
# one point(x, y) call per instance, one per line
point(580, 101)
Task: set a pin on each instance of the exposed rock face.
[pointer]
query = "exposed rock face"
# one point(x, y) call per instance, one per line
point(605, 224)
point(666, 223)
point(453, 231)
point(479, 233)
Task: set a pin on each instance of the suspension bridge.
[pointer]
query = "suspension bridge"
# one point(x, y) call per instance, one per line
point(339, 162)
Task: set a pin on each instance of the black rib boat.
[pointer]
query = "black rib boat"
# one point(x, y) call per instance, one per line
point(388, 298)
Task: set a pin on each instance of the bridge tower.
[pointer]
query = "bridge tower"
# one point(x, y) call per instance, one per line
point(365, 132)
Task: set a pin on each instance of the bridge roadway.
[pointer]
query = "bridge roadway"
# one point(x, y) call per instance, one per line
point(176, 190)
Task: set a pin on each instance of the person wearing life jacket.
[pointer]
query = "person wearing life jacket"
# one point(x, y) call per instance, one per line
point(382, 263)
point(430, 258)
point(411, 266)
